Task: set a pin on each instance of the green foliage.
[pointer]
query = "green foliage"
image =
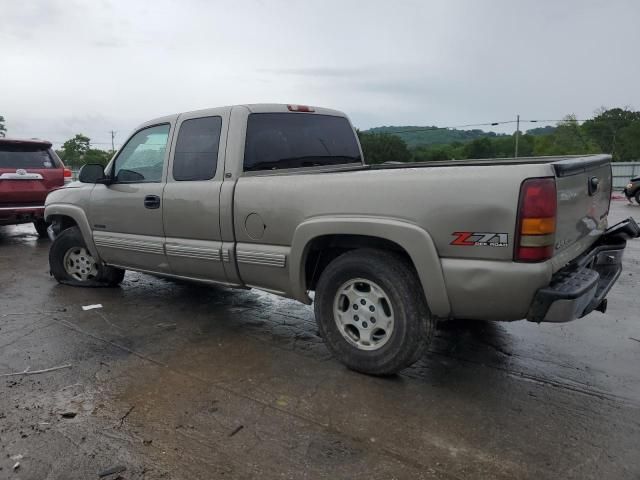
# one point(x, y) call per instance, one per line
point(3, 129)
point(74, 150)
point(480, 148)
point(381, 147)
point(607, 130)
point(429, 153)
point(95, 155)
point(615, 131)
point(568, 138)
point(77, 151)
point(547, 130)
point(627, 146)
point(422, 136)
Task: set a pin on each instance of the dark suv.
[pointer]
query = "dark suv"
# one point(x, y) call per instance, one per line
point(29, 170)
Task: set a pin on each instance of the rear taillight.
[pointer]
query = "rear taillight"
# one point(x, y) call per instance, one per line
point(535, 236)
point(68, 173)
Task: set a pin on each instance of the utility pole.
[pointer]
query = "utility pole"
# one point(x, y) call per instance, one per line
point(113, 136)
point(517, 134)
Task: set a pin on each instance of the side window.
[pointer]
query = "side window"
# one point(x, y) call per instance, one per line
point(196, 155)
point(142, 158)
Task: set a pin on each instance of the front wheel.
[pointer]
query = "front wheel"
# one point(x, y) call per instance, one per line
point(371, 311)
point(71, 263)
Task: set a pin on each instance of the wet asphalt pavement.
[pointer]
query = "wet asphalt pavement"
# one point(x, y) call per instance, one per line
point(178, 381)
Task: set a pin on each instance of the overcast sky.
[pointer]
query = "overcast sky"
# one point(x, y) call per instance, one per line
point(71, 66)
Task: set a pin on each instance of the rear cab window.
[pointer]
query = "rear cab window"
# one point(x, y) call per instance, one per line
point(277, 141)
point(196, 152)
point(26, 156)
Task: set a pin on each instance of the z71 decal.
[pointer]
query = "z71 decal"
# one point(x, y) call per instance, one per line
point(480, 239)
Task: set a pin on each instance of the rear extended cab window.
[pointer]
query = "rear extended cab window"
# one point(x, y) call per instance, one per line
point(292, 140)
point(196, 155)
point(26, 155)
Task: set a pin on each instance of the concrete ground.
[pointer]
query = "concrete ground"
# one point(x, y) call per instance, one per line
point(176, 381)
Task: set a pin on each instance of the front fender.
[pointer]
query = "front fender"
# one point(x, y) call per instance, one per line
point(79, 217)
point(413, 239)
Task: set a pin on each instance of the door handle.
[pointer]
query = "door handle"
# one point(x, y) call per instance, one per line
point(152, 201)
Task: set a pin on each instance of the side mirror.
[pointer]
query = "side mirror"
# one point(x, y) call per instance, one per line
point(91, 173)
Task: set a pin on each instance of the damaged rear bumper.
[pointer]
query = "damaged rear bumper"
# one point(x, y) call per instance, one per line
point(582, 286)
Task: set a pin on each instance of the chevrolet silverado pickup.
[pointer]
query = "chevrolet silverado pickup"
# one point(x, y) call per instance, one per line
point(29, 170)
point(279, 198)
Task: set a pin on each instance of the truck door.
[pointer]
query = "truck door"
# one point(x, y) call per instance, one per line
point(192, 196)
point(126, 215)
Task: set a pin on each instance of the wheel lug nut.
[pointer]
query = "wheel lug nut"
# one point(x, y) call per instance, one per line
point(363, 301)
point(372, 308)
point(355, 307)
point(364, 324)
point(372, 320)
point(356, 318)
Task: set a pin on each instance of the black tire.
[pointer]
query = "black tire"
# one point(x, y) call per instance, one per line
point(413, 324)
point(69, 239)
point(41, 227)
point(638, 197)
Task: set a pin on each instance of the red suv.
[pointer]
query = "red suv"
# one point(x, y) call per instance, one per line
point(29, 170)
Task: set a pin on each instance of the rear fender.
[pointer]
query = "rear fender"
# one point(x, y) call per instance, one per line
point(413, 239)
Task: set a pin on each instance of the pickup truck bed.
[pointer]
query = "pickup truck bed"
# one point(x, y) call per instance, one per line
point(277, 197)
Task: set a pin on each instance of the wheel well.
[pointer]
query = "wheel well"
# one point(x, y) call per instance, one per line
point(62, 222)
point(322, 250)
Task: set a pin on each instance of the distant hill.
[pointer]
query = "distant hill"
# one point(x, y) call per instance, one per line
point(548, 130)
point(423, 136)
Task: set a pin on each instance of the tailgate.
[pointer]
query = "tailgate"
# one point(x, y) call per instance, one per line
point(584, 194)
point(28, 172)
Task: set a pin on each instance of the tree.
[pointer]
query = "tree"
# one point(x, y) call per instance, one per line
point(605, 128)
point(3, 129)
point(480, 148)
point(94, 155)
point(382, 147)
point(431, 153)
point(74, 150)
point(628, 143)
point(569, 138)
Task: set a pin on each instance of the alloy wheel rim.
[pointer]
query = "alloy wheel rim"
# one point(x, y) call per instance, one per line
point(363, 314)
point(79, 264)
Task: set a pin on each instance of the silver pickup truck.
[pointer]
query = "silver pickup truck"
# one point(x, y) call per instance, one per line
point(278, 197)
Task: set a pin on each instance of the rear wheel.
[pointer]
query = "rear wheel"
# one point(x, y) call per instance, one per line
point(371, 311)
point(41, 227)
point(638, 197)
point(71, 263)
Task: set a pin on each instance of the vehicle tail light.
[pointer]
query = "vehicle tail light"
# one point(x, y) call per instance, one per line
point(68, 173)
point(300, 108)
point(537, 211)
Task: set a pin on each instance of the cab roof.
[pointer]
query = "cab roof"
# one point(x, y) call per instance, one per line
point(252, 107)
